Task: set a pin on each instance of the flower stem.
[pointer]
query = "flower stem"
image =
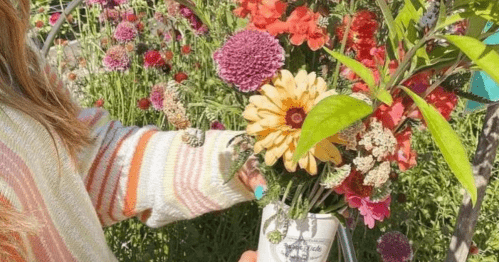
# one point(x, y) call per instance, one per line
point(343, 45)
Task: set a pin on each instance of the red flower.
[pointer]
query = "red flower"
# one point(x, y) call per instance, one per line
point(186, 49)
point(444, 102)
point(99, 102)
point(153, 58)
point(390, 116)
point(263, 14)
point(143, 103)
point(405, 157)
point(303, 26)
point(39, 24)
point(180, 77)
point(131, 18)
point(361, 36)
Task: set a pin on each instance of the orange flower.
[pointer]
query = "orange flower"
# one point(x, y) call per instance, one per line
point(263, 13)
point(303, 26)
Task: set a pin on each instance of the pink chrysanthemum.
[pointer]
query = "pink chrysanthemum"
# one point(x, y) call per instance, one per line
point(125, 32)
point(394, 247)
point(157, 96)
point(248, 58)
point(116, 59)
point(120, 2)
point(153, 58)
point(53, 18)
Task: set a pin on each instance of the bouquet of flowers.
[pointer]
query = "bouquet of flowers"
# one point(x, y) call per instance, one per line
point(335, 90)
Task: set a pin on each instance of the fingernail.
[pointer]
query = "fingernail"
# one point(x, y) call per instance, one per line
point(260, 192)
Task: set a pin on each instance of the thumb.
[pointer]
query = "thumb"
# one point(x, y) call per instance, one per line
point(248, 256)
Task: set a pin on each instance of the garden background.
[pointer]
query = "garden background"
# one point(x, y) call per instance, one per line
point(427, 197)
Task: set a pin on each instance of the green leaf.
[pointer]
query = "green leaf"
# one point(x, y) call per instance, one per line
point(384, 96)
point(482, 55)
point(443, 13)
point(331, 115)
point(448, 142)
point(453, 19)
point(407, 14)
point(362, 71)
point(475, 27)
point(390, 22)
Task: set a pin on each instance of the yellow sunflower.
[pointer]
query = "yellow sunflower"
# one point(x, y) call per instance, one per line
point(276, 118)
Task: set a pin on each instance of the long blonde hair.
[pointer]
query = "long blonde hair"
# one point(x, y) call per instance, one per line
point(37, 96)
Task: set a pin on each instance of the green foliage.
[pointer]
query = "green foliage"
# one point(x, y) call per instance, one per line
point(448, 142)
point(331, 115)
point(482, 55)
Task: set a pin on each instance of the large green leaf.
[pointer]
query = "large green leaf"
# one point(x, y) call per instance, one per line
point(447, 140)
point(390, 22)
point(482, 55)
point(410, 12)
point(331, 115)
point(362, 71)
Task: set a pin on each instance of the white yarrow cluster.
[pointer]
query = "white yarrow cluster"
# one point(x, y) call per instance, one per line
point(379, 140)
point(378, 175)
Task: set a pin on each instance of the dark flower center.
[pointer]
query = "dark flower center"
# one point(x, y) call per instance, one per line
point(295, 117)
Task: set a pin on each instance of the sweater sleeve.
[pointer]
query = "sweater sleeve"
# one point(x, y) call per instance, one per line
point(153, 174)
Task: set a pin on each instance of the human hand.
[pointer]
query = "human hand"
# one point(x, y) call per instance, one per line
point(252, 178)
point(249, 174)
point(248, 256)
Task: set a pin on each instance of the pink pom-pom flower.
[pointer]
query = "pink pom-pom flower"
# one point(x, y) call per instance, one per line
point(248, 58)
point(116, 59)
point(125, 32)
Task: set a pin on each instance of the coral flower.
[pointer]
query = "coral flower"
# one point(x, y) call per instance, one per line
point(186, 49)
point(39, 24)
point(276, 118)
point(303, 25)
point(143, 103)
point(153, 58)
point(53, 18)
point(180, 77)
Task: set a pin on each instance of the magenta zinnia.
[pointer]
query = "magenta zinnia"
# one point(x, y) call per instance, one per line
point(125, 32)
point(116, 59)
point(248, 58)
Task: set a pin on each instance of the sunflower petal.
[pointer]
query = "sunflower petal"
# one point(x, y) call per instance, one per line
point(271, 156)
point(266, 142)
point(288, 164)
point(251, 113)
point(301, 80)
point(254, 128)
point(273, 94)
point(285, 80)
point(271, 121)
point(262, 102)
point(327, 151)
point(320, 85)
point(311, 79)
point(337, 140)
point(311, 165)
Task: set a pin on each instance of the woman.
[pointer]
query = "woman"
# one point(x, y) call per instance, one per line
point(65, 172)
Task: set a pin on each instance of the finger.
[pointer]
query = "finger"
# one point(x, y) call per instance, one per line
point(248, 256)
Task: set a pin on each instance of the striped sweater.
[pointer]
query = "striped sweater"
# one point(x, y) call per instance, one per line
point(127, 172)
